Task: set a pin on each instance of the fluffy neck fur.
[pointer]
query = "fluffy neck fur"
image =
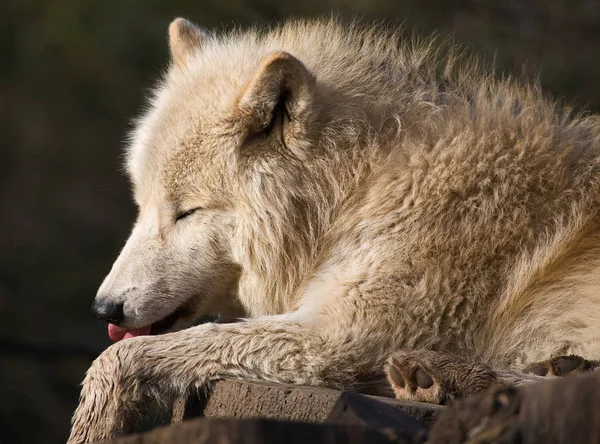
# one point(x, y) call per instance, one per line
point(413, 83)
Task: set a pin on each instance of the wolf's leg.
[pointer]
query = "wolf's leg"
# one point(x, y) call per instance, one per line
point(562, 366)
point(163, 367)
point(427, 376)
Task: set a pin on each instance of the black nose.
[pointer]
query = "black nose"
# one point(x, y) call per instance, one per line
point(107, 311)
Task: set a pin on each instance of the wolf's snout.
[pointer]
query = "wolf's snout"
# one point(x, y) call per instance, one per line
point(107, 311)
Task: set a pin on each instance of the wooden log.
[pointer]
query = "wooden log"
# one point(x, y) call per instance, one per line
point(354, 409)
point(243, 399)
point(260, 431)
point(367, 416)
point(562, 411)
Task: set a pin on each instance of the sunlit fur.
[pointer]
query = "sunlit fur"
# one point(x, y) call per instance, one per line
point(412, 199)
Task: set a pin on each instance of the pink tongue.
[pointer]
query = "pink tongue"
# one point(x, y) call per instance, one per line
point(117, 333)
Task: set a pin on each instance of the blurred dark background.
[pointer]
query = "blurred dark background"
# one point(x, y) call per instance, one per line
point(72, 75)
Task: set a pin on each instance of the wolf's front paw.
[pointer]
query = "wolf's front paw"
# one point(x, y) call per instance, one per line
point(562, 366)
point(108, 392)
point(427, 376)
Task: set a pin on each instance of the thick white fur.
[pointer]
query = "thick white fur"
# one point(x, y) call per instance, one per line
point(408, 199)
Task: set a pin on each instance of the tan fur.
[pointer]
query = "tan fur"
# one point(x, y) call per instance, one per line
point(184, 39)
point(359, 192)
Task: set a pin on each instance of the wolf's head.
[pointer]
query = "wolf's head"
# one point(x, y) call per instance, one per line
point(228, 182)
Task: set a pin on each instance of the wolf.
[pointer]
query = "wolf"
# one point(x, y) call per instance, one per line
point(366, 202)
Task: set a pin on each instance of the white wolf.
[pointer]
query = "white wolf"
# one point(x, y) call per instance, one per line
point(359, 198)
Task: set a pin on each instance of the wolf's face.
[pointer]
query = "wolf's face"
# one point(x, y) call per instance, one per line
point(198, 161)
point(175, 266)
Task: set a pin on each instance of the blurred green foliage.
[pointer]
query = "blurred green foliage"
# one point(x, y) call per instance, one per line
point(72, 74)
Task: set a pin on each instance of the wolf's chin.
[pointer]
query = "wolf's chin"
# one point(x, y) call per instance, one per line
point(168, 322)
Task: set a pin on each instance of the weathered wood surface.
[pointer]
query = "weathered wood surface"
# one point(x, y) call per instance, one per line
point(562, 411)
point(354, 409)
point(242, 399)
point(353, 419)
point(260, 431)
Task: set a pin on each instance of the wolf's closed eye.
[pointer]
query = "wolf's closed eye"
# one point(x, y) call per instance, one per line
point(185, 214)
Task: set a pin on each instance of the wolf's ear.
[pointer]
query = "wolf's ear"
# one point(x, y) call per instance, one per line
point(283, 88)
point(184, 38)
